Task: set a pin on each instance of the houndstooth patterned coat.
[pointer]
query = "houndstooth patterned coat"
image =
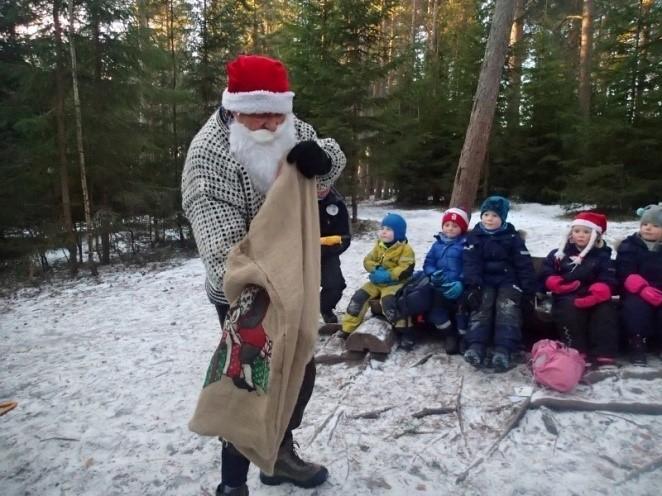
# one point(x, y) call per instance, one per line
point(219, 199)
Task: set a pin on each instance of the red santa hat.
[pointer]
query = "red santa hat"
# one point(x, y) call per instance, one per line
point(458, 216)
point(594, 221)
point(257, 85)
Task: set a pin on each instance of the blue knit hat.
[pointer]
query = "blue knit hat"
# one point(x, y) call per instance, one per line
point(397, 224)
point(496, 204)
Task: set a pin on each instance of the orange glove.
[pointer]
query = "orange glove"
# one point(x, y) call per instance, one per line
point(331, 240)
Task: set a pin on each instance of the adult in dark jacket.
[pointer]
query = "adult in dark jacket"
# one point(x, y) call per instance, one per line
point(336, 237)
point(498, 273)
point(582, 278)
point(639, 272)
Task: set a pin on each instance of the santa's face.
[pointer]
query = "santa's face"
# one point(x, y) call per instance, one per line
point(255, 122)
point(259, 142)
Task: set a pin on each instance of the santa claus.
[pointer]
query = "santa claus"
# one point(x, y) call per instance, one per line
point(230, 166)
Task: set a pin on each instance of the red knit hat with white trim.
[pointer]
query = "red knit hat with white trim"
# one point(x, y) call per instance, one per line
point(594, 221)
point(458, 216)
point(257, 85)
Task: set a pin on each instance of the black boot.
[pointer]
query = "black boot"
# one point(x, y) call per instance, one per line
point(407, 339)
point(638, 350)
point(451, 344)
point(235, 491)
point(290, 468)
point(329, 317)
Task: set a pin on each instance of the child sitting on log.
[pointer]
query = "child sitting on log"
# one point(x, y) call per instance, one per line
point(498, 276)
point(389, 264)
point(581, 277)
point(443, 265)
point(639, 272)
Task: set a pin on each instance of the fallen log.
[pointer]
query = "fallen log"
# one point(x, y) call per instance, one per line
point(576, 404)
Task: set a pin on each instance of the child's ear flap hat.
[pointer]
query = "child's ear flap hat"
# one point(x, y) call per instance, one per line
point(594, 221)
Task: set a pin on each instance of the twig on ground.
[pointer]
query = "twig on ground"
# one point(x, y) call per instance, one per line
point(515, 419)
point(433, 411)
point(412, 430)
point(615, 463)
point(422, 360)
point(458, 413)
point(373, 414)
point(339, 417)
point(499, 408)
point(346, 386)
point(649, 467)
point(625, 419)
point(550, 425)
point(58, 438)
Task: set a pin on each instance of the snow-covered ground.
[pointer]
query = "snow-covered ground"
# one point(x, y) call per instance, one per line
point(107, 375)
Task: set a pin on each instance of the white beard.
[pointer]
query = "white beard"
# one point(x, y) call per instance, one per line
point(260, 152)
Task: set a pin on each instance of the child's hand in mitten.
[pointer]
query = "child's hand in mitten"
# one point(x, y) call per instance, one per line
point(652, 296)
point(597, 293)
point(634, 283)
point(557, 285)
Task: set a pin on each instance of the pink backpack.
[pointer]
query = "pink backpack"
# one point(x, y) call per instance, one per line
point(556, 366)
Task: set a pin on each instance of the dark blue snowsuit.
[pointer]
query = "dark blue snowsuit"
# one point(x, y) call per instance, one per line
point(634, 257)
point(500, 265)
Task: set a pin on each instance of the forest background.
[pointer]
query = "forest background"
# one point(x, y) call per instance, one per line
point(578, 118)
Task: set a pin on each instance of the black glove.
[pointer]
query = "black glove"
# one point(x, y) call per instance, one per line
point(473, 298)
point(310, 159)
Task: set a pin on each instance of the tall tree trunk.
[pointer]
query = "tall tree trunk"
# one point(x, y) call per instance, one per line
point(640, 66)
point(79, 141)
point(62, 140)
point(97, 105)
point(476, 140)
point(256, 30)
point(206, 89)
point(173, 59)
point(515, 65)
point(585, 52)
point(413, 35)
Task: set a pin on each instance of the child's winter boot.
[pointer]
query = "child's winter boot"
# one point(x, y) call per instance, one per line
point(407, 339)
point(501, 360)
point(638, 350)
point(474, 355)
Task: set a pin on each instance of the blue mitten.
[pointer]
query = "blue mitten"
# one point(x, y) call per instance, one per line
point(380, 276)
point(437, 278)
point(452, 290)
